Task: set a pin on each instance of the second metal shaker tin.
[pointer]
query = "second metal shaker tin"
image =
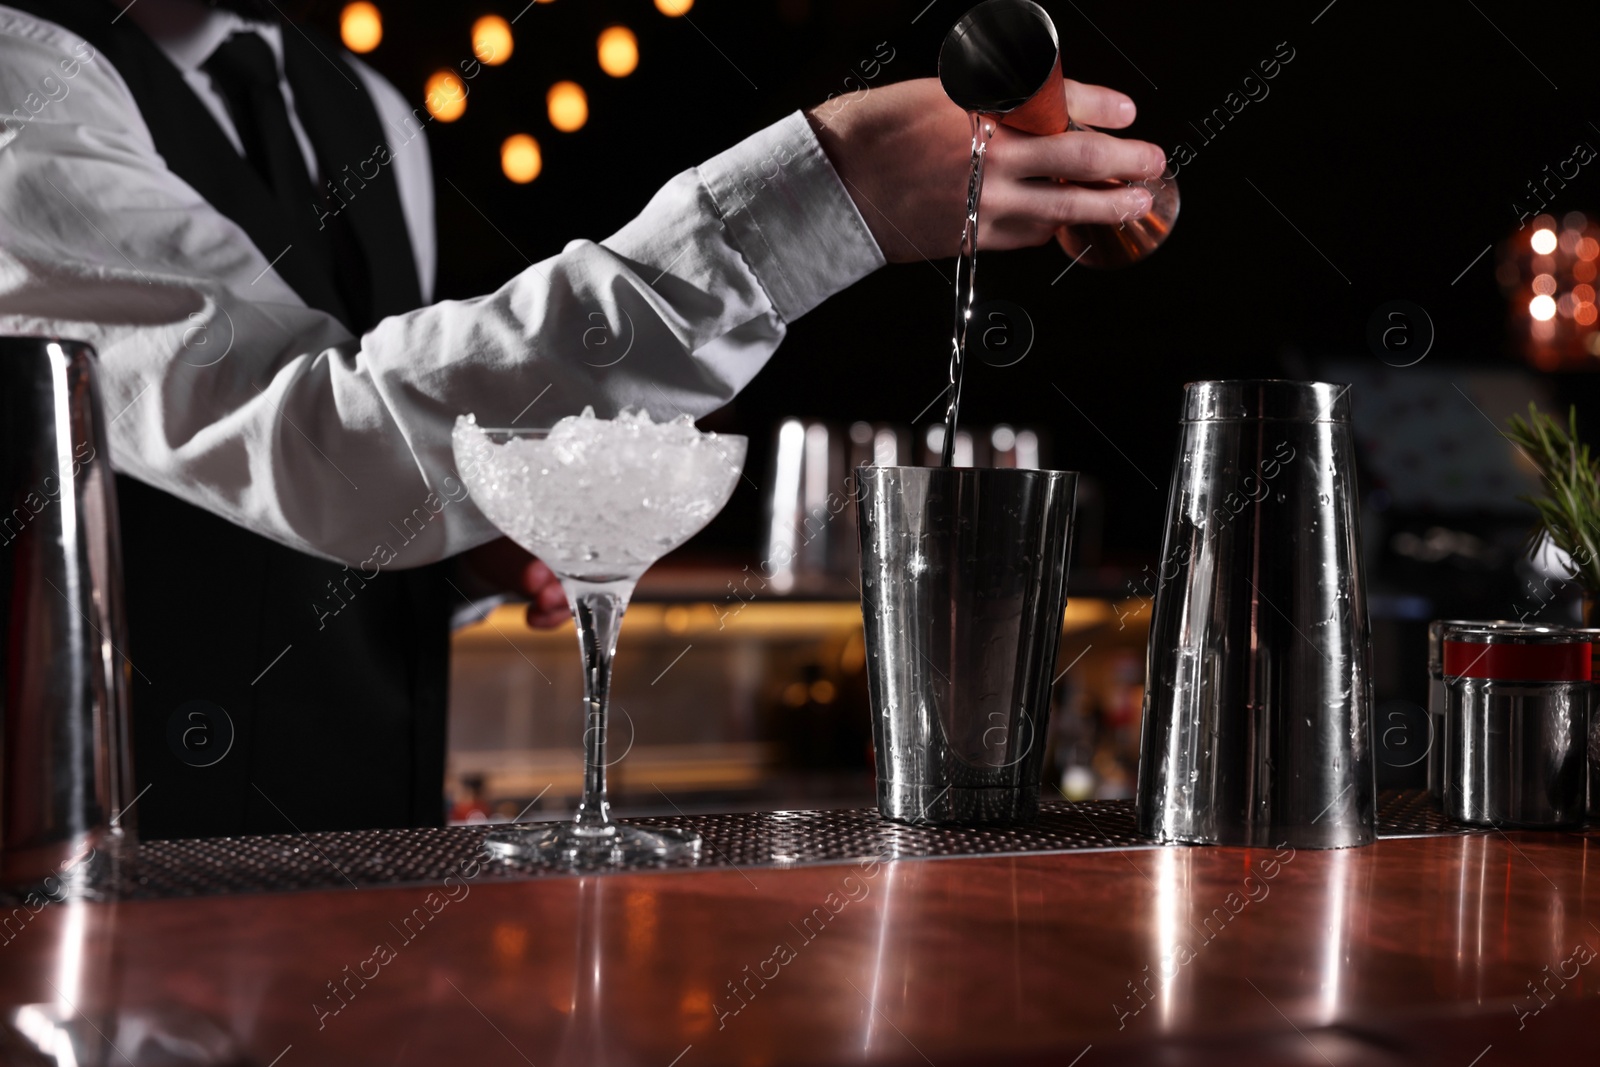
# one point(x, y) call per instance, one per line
point(1516, 725)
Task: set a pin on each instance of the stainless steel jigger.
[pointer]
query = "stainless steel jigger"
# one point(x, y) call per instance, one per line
point(1258, 704)
point(963, 588)
point(1003, 59)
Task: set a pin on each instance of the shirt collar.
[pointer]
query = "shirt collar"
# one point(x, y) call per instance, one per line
point(188, 31)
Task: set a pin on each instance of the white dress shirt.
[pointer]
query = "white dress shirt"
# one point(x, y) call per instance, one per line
point(220, 386)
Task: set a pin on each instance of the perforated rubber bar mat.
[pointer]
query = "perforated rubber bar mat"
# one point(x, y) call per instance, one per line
point(278, 863)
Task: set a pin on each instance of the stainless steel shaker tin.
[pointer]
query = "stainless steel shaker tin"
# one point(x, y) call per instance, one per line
point(65, 755)
point(1258, 708)
point(963, 590)
point(1436, 701)
point(1516, 725)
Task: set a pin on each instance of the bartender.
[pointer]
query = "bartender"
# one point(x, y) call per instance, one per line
point(237, 214)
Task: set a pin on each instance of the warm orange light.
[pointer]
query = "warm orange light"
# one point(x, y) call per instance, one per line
point(1544, 241)
point(1585, 315)
point(491, 40)
point(674, 8)
point(520, 159)
point(1544, 284)
point(695, 1010)
point(619, 51)
point(1588, 248)
point(445, 96)
point(1583, 271)
point(510, 940)
point(1583, 294)
point(360, 26)
point(1542, 308)
point(569, 107)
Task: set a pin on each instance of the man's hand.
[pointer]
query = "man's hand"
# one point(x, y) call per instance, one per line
point(903, 151)
point(547, 601)
point(504, 566)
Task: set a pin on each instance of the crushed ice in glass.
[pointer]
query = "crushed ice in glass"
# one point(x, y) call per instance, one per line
point(600, 497)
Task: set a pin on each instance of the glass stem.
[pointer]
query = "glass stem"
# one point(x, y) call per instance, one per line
point(598, 608)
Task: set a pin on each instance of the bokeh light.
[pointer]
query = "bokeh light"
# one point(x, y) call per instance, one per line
point(520, 159)
point(491, 40)
point(1548, 271)
point(674, 8)
point(569, 107)
point(445, 96)
point(619, 51)
point(360, 26)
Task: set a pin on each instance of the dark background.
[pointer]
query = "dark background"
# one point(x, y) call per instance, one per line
point(1396, 140)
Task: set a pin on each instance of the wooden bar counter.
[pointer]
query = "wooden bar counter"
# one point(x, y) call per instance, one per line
point(1465, 950)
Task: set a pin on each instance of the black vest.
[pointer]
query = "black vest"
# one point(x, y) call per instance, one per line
point(331, 684)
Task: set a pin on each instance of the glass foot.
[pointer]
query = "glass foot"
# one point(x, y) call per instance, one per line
point(614, 843)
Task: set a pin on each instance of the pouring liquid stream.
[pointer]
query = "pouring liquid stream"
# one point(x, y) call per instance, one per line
point(966, 280)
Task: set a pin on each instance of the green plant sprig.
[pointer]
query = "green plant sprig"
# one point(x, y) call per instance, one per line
point(1570, 509)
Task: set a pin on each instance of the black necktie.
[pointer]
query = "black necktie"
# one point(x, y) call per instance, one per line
point(246, 75)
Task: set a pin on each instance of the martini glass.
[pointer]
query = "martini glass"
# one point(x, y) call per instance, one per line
point(599, 500)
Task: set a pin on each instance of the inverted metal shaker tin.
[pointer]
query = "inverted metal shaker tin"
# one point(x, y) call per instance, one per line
point(1516, 725)
point(963, 591)
point(1258, 703)
point(65, 753)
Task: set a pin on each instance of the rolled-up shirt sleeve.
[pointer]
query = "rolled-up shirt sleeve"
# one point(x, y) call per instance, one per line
point(220, 386)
